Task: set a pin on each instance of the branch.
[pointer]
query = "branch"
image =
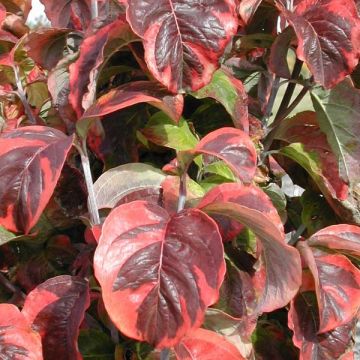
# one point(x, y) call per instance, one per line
point(94, 9)
point(182, 192)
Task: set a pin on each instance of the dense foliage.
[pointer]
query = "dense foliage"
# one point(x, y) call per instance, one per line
point(180, 179)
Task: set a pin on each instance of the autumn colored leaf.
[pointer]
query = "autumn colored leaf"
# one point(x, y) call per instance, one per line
point(304, 321)
point(55, 309)
point(251, 207)
point(247, 9)
point(20, 7)
point(31, 160)
point(337, 285)
point(17, 339)
point(149, 293)
point(328, 33)
point(230, 92)
point(94, 50)
point(5, 35)
point(177, 52)
point(309, 147)
point(204, 344)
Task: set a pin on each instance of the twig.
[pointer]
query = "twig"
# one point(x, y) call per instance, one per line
point(165, 354)
point(182, 192)
point(94, 9)
point(270, 104)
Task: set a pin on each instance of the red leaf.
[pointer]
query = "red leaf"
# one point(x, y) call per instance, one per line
point(17, 340)
point(247, 9)
point(304, 321)
point(328, 33)
point(251, 207)
point(233, 146)
point(158, 273)
point(343, 238)
point(134, 93)
point(337, 285)
point(56, 309)
point(183, 43)
point(304, 128)
point(93, 50)
point(60, 12)
point(204, 344)
point(31, 159)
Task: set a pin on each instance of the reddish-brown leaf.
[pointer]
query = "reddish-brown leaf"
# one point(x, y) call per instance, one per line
point(337, 285)
point(328, 33)
point(55, 309)
point(93, 50)
point(17, 340)
point(251, 207)
point(343, 238)
point(158, 273)
point(183, 41)
point(134, 93)
point(64, 13)
point(233, 146)
point(247, 9)
point(31, 159)
point(204, 344)
point(304, 321)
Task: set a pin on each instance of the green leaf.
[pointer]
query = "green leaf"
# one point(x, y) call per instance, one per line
point(338, 113)
point(278, 198)
point(95, 345)
point(221, 169)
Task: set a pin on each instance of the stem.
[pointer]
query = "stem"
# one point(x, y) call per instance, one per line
point(296, 236)
point(182, 192)
point(11, 287)
point(290, 89)
point(94, 9)
point(21, 93)
point(92, 206)
point(270, 104)
point(165, 354)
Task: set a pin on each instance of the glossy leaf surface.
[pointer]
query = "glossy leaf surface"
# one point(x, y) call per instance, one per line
point(17, 340)
point(183, 41)
point(31, 160)
point(148, 292)
point(328, 33)
point(251, 207)
point(55, 309)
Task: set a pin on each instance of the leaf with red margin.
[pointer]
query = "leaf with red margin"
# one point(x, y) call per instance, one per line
point(93, 51)
point(61, 13)
point(158, 273)
point(17, 340)
point(231, 93)
point(46, 46)
point(234, 147)
point(31, 160)
point(328, 33)
point(304, 128)
point(337, 286)
point(22, 7)
point(342, 238)
point(55, 309)
point(204, 344)
point(247, 9)
point(134, 93)
point(303, 319)
point(251, 207)
point(5, 35)
point(183, 41)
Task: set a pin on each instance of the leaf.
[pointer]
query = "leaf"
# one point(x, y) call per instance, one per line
point(94, 51)
point(121, 181)
point(62, 12)
point(304, 320)
point(20, 7)
point(205, 344)
point(162, 131)
point(232, 146)
point(17, 340)
point(31, 159)
point(95, 344)
point(247, 9)
point(134, 93)
point(343, 238)
point(310, 148)
point(328, 37)
point(337, 285)
point(251, 207)
point(230, 92)
point(46, 46)
point(183, 43)
point(55, 309)
point(338, 111)
point(158, 273)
